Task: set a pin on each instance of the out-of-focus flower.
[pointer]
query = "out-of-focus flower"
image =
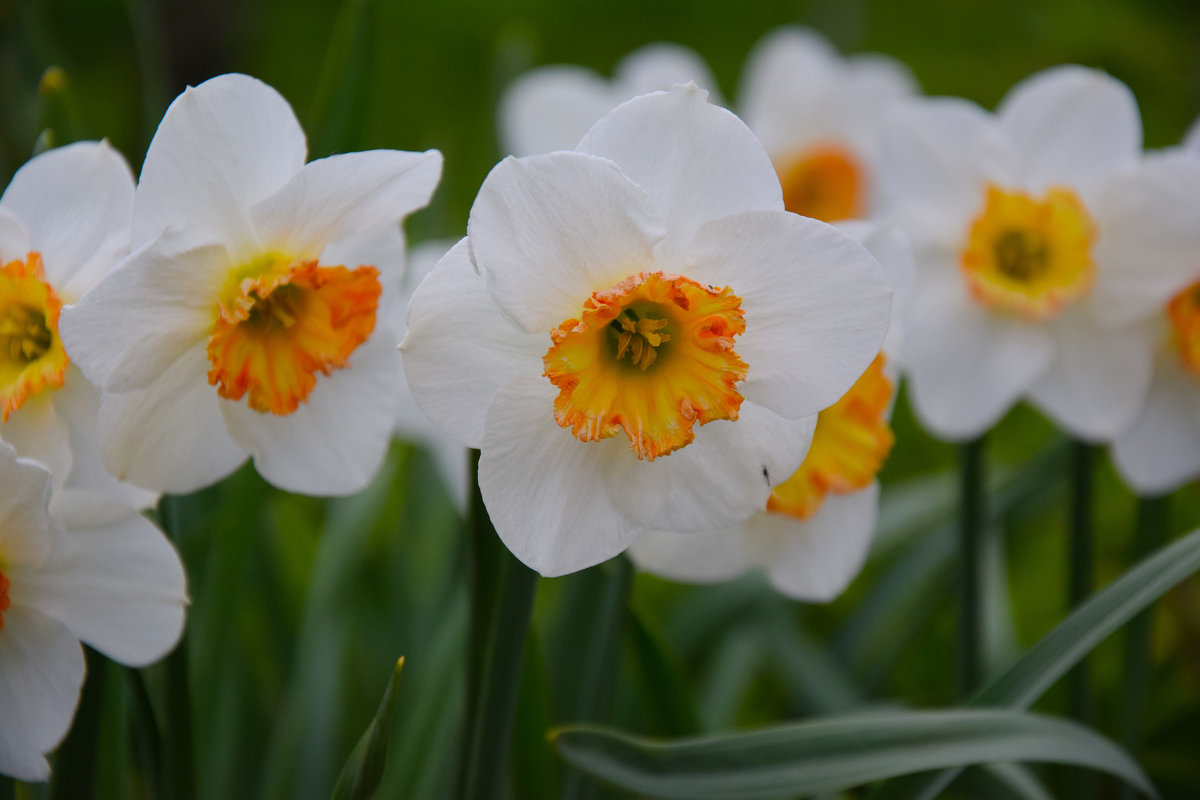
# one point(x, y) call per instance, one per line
point(77, 566)
point(251, 317)
point(812, 536)
point(551, 108)
point(821, 118)
point(1012, 229)
point(636, 334)
point(64, 223)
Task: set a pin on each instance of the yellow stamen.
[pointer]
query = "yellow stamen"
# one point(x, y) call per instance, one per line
point(824, 182)
point(32, 358)
point(1030, 257)
point(651, 356)
point(848, 449)
point(1184, 313)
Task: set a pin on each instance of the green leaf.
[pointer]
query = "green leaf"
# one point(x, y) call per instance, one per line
point(364, 769)
point(837, 753)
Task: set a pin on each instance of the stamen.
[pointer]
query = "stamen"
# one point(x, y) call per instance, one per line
point(32, 358)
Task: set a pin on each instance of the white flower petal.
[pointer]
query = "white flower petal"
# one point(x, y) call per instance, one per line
point(116, 582)
point(335, 441)
point(1098, 378)
point(41, 672)
point(1191, 141)
point(787, 77)
point(26, 527)
point(657, 67)
point(701, 557)
point(384, 248)
point(14, 238)
point(159, 303)
point(696, 161)
point(169, 436)
point(549, 230)
point(76, 201)
point(1072, 125)
point(544, 489)
point(551, 108)
point(345, 195)
point(880, 77)
point(459, 350)
point(220, 148)
point(815, 559)
point(39, 433)
point(816, 303)
point(1160, 451)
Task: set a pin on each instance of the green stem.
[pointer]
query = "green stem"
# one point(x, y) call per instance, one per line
point(501, 607)
point(74, 775)
point(179, 771)
point(1153, 525)
point(147, 741)
point(971, 528)
point(1083, 458)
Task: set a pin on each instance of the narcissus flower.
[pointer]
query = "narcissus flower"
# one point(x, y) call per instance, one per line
point(812, 535)
point(64, 223)
point(636, 334)
point(1012, 229)
point(820, 117)
point(251, 317)
point(77, 566)
point(551, 108)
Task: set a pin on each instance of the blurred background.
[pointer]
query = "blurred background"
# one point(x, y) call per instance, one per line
point(300, 607)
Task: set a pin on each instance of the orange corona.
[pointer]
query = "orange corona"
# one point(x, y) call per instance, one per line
point(32, 358)
point(825, 182)
point(652, 356)
point(1184, 314)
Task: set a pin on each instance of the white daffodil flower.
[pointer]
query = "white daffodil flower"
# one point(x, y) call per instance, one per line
point(1010, 217)
point(252, 316)
point(812, 535)
point(821, 118)
point(75, 566)
point(636, 335)
point(551, 108)
point(64, 223)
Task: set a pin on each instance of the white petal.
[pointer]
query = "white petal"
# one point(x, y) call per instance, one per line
point(881, 77)
point(76, 202)
point(720, 479)
point(14, 238)
point(41, 672)
point(384, 248)
point(816, 303)
point(696, 161)
point(345, 195)
point(966, 366)
point(39, 433)
point(1160, 451)
point(1191, 141)
point(701, 557)
point(335, 441)
point(549, 230)
point(26, 527)
point(459, 350)
point(545, 490)
point(551, 108)
point(117, 583)
point(156, 305)
point(787, 77)
point(220, 148)
point(1072, 125)
point(815, 559)
point(1146, 250)
point(1098, 378)
point(169, 436)
point(657, 67)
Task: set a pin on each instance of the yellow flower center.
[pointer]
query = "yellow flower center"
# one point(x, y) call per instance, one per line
point(651, 356)
point(280, 322)
point(849, 446)
point(1184, 313)
point(4, 603)
point(1030, 257)
point(32, 358)
point(824, 182)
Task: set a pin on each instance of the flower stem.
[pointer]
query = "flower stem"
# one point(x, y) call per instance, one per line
point(178, 760)
point(502, 590)
point(972, 511)
point(1083, 457)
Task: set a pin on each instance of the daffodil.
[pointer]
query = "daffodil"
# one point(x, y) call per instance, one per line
point(821, 118)
point(551, 108)
point(636, 335)
point(1012, 230)
point(812, 535)
point(252, 316)
point(64, 223)
point(75, 566)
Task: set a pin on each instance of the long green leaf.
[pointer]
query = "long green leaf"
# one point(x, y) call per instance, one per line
point(837, 753)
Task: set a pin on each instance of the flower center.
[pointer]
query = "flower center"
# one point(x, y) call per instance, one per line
point(651, 356)
point(1030, 257)
point(1184, 313)
point(824, 182)
point(848, 449)
point(4, 602)
point(280, 322)
point(32, 358)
